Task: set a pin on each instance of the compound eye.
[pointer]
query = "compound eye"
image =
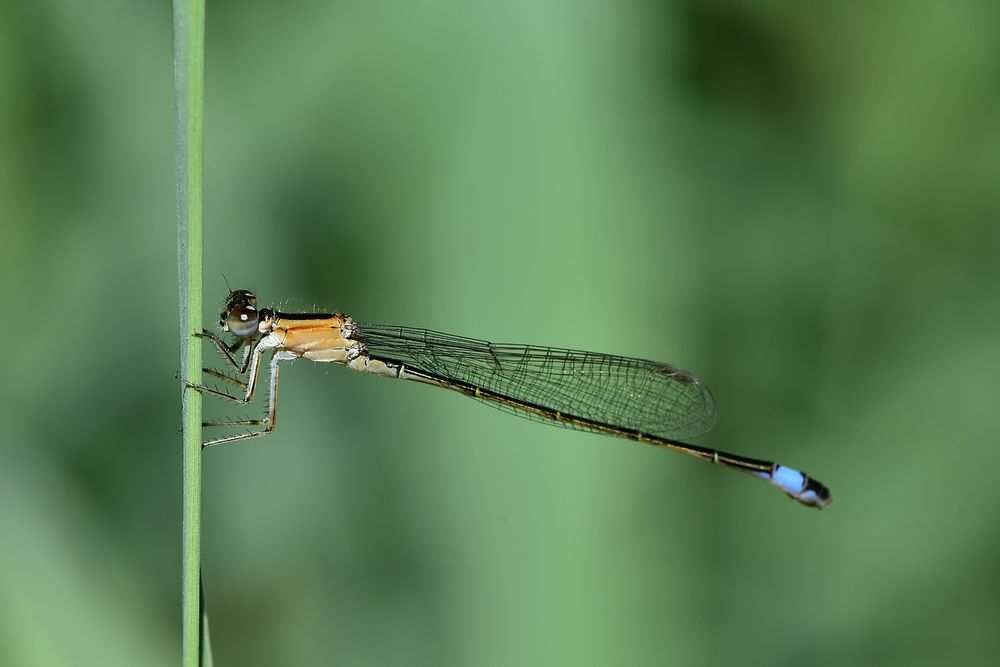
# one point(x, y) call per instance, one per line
point(242, 322)
point(240, 317)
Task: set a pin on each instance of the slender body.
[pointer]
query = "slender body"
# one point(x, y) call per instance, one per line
point(641, 400)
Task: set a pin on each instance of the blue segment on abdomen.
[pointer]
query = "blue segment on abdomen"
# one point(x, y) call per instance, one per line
point(791, 480)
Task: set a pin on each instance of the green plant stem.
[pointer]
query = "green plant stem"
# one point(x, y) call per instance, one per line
point(189, 85)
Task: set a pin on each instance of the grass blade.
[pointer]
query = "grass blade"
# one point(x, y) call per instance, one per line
point(189, 86)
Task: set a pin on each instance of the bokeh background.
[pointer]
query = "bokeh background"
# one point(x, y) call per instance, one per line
point(801, 205)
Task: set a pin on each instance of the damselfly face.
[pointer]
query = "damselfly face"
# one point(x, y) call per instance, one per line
point(240, 316)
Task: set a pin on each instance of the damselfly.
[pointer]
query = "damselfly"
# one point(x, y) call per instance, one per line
point(646, 401)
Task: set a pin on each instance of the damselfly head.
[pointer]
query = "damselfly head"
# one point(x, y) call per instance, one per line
point(240, 316)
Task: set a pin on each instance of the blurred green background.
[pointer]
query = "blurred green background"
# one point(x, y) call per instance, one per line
point(801, 205)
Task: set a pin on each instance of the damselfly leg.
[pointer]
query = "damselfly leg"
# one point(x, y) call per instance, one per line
point(240, 318)
point(227, 351)
point(269, 421)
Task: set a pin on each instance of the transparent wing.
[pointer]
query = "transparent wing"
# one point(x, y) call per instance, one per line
point(646, 396)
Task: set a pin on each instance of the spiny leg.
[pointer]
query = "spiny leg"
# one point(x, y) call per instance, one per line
point(223, 376)
point(251, 383)
point(227, 351)
point(224, 349)
point(233, 422)
point(272, 409)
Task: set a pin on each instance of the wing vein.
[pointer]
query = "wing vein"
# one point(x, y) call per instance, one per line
point(636, 394)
